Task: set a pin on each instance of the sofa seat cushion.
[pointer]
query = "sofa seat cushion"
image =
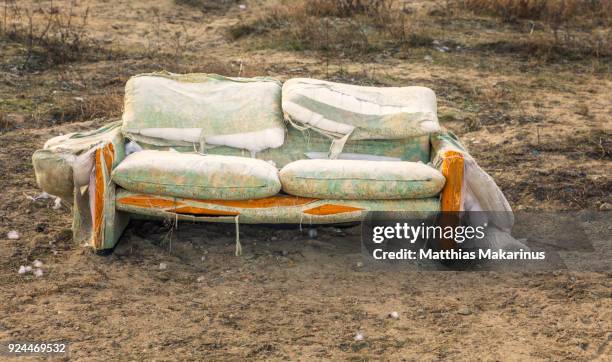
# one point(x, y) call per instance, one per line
point(197, 176)
point(361, 180)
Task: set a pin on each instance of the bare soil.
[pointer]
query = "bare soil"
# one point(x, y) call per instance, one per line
point(539, 126)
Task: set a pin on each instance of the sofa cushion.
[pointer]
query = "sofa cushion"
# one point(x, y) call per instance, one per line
point(361, 180)
point(337, 109)
point(166, 109)
point(197, 176)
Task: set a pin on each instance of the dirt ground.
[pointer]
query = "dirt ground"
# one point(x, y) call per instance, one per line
point(540, 127)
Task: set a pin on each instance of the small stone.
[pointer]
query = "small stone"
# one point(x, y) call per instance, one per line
point(163, 266)
point(605, 207)
point(37, 263)
point(359, 337)
point(12, 235)
point(38, 273)
point(22, 270)
point(200, 279)
point(28, 269)
point(394, 315)
point(359, 264)
point(464, 311)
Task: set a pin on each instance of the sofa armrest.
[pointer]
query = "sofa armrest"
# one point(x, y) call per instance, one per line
point(447, 157)
point(107, 224)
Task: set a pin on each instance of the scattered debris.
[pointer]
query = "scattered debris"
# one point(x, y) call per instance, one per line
point(203, 258)
point(200, 279)
point(163, 266)
point(605, 207)
point(242, 7)
point(464, 311)
point(38, 273)
point(428, 58)
point(57, 204)
point(312, 233)
point(12, 235)
point(359, 264)
point(43, 195)
point(359, 337)
point(394, 315)
point(37, 263)
point(22, 270)
point(28, 268)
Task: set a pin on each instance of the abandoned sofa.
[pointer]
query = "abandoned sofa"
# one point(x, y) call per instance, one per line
point(204, 147)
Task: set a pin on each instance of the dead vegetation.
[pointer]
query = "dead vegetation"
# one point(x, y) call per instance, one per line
point(50, 34)
point(347, 27)
point(554, 30)
point(208, 5)
point(580, 28)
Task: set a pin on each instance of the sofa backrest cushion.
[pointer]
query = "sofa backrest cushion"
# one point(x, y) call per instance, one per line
point(166, 109)
point(337, 109)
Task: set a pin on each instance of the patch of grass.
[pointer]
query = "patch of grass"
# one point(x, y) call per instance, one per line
point(579, 28)
point(554, 12)
point(48, 35)
point(207, 5)
point(344, 27)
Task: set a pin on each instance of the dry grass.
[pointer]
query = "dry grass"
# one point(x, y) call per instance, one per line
point(51, 34)
point(554, 12)
point(566, 19)
point(559, 30)
point(108, 104)
point(346, 27)
point(207, 5)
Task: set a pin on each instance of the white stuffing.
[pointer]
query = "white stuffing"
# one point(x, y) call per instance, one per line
point(252, 141)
